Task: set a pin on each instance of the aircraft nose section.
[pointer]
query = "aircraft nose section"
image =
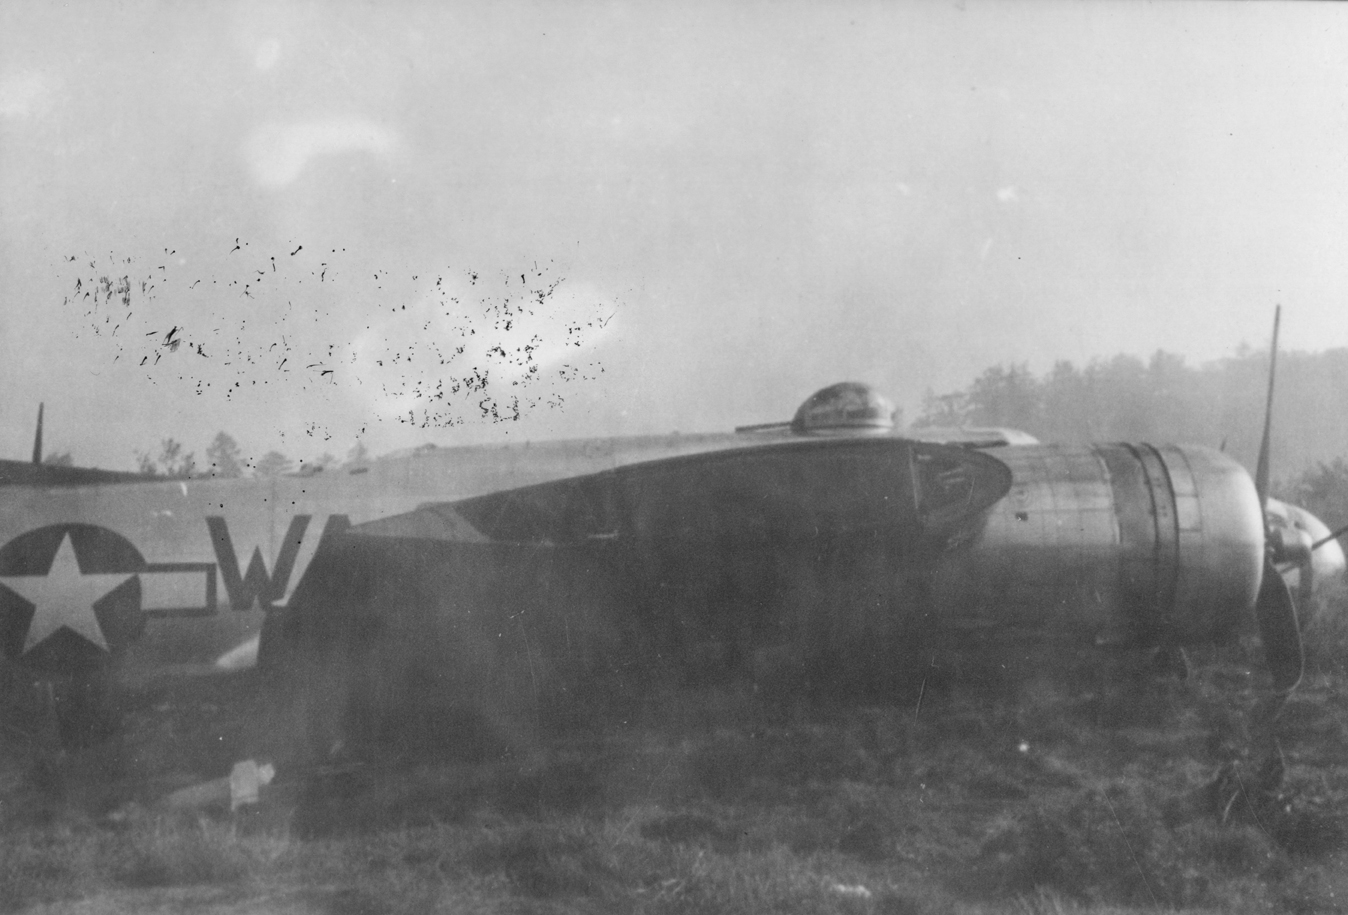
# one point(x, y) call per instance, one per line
point(1306, 544)
point(1329, 566)
point(1329, 561)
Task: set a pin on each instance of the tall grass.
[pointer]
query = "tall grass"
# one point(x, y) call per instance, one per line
point(1055, 798)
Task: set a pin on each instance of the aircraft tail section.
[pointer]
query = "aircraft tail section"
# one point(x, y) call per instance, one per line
point(36, 473)
point(37, 440)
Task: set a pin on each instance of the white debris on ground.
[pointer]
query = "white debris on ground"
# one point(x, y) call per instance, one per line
point(852, 890)
point(240, 788)
point(245, 781)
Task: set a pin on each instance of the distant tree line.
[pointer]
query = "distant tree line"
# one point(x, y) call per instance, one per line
point(1161, 399)
point(1322, 489)
point(224, 460)
point(171, 462)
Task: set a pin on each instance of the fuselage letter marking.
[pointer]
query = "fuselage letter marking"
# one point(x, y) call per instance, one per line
point(256, 584)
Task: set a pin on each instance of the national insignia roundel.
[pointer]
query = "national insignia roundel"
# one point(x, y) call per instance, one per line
point(70, 596)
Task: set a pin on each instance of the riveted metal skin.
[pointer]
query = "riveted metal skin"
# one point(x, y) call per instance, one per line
point(1124, 544)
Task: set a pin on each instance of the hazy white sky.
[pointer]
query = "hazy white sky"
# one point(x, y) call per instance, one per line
point(666, 216)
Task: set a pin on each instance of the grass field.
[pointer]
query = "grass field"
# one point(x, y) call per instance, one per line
point(1093, 787)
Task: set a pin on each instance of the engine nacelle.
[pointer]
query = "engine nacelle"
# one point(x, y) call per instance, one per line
point(1135, 544)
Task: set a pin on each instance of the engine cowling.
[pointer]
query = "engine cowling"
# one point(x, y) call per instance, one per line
point(1135, 544)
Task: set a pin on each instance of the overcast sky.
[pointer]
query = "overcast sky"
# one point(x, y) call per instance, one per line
point(637, 217)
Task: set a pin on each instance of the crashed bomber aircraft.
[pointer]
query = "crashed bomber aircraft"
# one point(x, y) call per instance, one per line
point(826, 553)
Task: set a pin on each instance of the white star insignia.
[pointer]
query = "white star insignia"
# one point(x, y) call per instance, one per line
point(64, 597)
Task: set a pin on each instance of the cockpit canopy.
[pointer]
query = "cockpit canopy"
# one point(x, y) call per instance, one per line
point(847, 407)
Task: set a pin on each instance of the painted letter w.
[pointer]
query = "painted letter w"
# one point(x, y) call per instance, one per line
point(255, 584)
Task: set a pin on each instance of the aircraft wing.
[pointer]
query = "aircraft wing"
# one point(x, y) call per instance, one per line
point(24, 473)
point(972, 436)
point(591, 558)
point(775, 493)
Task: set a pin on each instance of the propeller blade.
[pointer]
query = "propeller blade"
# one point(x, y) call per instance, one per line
point(1261, 468)
point(1279, 630)
point(1334, 536)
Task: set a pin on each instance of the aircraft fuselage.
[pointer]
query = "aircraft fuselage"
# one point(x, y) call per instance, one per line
point(1112, 543)
point(772, 557)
